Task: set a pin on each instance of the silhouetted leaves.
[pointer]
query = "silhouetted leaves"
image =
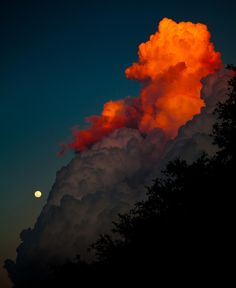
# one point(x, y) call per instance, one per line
point(225, 128)
point(186, 218)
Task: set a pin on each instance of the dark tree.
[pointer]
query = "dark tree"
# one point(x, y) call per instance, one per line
point(185, 227)
point(224, 130)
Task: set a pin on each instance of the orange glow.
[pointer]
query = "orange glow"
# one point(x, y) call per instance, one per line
point(171, 64)
point(115, 114)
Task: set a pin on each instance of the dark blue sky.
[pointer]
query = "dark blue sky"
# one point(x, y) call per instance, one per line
point(60, 61)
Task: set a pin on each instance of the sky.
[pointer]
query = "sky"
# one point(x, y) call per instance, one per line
point(60, 62)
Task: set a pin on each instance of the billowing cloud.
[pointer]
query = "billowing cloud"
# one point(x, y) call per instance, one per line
point(106, 180)
point(110, 176)
point(171, 64)
point(87, 195)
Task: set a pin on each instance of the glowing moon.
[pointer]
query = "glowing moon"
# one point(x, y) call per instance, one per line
point(37, 194)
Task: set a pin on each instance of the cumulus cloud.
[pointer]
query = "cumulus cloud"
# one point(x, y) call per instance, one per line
point(170, 66)
point(106, 180)
point(87, 195)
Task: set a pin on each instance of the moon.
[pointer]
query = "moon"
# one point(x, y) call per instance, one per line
point(37, 194)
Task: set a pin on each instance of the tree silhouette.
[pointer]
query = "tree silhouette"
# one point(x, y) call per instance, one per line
point(224, 130)
point(185, 225)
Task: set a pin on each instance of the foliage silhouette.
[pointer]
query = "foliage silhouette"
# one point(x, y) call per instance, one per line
point(224, 130)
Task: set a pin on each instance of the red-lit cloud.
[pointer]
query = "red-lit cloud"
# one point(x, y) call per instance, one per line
point(171, 64)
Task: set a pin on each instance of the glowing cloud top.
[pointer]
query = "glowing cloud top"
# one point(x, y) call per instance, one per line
point(171, 64)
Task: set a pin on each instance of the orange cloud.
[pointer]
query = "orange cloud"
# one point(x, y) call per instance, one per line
point(171, 64)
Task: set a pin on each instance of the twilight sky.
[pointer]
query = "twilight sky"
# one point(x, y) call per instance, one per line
point(60, 62)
